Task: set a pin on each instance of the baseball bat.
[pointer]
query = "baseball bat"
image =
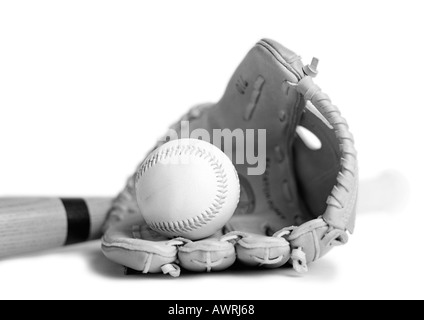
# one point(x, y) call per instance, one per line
point(29, 225)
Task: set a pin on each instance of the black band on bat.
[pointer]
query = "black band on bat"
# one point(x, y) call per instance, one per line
point(78, 220)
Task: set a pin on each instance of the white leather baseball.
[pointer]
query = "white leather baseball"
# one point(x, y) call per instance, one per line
point(187, 188)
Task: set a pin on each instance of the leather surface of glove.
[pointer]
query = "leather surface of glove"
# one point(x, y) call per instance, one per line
point(295, 212)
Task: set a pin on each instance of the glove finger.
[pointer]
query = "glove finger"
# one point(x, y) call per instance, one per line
point(131, 244)
point(316, 238)
point(207, 255)
point(262, 251)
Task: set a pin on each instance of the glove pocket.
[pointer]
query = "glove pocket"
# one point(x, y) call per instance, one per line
point(207, 255)
point(263, 251)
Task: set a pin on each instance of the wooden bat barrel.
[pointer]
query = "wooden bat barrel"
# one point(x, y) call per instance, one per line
point(29, 225)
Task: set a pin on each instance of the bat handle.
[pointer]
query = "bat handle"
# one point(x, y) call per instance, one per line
point(30, 225)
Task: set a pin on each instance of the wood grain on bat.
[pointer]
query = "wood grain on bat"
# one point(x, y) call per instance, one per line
point(32, 224)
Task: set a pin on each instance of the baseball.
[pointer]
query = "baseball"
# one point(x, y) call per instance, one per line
point(187, 188)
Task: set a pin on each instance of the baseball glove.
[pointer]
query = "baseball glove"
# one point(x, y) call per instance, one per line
point(303, 204)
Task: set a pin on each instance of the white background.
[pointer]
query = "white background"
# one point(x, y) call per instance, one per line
point(86, 87)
